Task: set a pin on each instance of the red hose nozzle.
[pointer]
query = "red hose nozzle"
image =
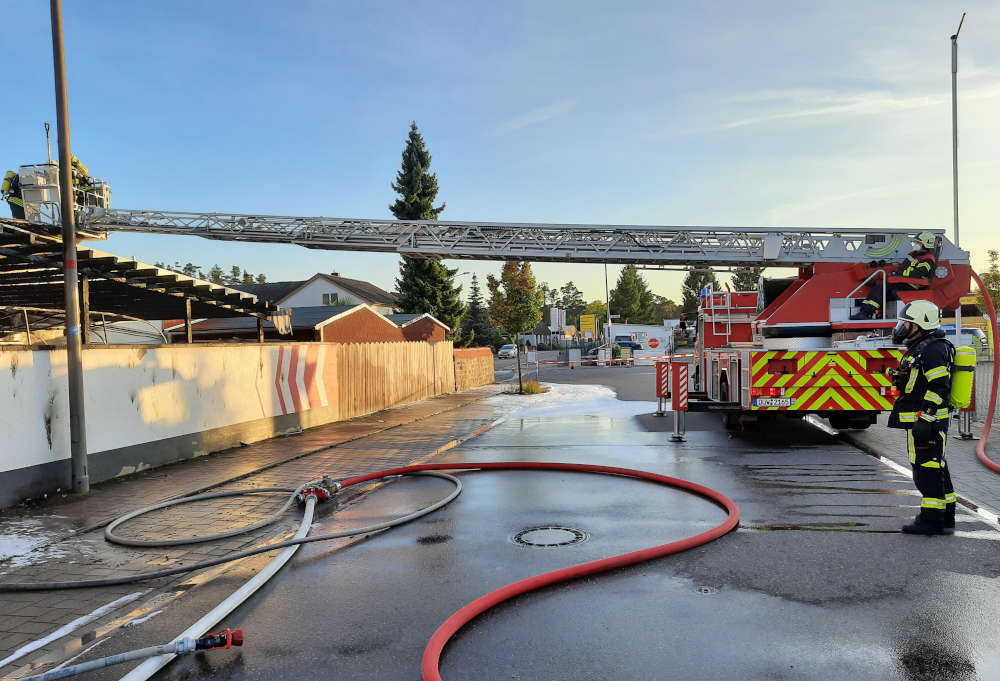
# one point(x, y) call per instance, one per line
point(220, 640)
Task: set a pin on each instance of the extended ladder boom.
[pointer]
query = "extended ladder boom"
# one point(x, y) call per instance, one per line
point(652, 245)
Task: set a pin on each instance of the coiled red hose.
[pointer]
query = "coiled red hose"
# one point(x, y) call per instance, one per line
point(432, 653)
point(981, 447)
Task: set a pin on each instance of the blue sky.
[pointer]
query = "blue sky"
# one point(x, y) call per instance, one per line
point(726, 113)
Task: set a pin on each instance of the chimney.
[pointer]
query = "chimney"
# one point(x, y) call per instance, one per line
point(334, 274)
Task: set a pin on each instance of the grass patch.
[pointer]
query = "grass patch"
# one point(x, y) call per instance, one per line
point(530, 388)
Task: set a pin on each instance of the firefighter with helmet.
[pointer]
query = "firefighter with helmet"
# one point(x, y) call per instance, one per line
point(916, 272)
point(924, 383)
point(10, 191)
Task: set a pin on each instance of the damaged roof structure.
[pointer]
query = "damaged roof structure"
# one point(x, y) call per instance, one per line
point(32, 286)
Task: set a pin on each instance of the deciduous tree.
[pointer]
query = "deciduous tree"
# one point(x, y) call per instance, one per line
point(571, 299)
point(515, 303)
point(745, 278)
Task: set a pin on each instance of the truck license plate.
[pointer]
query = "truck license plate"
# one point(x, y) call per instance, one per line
point(774, 402)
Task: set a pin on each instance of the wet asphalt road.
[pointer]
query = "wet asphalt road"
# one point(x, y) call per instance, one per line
point(816, 584)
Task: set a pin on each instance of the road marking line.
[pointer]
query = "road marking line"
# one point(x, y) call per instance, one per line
point(984, 512)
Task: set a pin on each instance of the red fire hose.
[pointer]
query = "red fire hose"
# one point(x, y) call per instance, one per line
point(981, 447)
point(432, 653)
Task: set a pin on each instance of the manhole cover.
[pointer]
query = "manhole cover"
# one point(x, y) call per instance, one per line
point(549, 537)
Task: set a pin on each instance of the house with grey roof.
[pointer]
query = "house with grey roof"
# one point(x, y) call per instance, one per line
point(324, 289)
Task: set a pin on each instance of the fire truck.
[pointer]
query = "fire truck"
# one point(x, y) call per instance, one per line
point(790, 349)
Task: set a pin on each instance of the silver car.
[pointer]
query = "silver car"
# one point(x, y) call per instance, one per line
point(508, 351)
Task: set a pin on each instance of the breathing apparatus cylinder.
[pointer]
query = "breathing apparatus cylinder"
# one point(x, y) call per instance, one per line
point(962, 374)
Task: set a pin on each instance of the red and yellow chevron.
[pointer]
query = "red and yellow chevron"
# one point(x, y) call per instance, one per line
point(822, 380)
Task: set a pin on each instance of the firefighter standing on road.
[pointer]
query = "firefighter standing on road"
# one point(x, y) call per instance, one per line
point(10, 190)
point(916, 272)
point(924, 382)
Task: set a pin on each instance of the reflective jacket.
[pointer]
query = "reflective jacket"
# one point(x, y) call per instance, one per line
point(917, 270)
point(10, 189)
point(924, 382)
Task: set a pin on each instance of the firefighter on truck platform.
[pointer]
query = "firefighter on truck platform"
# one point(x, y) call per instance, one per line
point(916, 272)
point(922, 408)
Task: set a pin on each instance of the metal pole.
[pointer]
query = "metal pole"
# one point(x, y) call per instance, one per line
point(27, 327)
point(954, 121)
point(48, 143)
point(607, 301)
point(74, 353)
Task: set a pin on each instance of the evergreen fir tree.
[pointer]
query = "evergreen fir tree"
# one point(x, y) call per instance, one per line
point(631, 299)
point(416, 187)
point(476, 324)
point(423, 285)
point(694, 282)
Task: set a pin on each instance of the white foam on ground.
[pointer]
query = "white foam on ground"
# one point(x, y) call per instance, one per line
point(22, 537)
point(568, 400)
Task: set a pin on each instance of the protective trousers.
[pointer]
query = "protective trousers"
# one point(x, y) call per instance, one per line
point(926, 448)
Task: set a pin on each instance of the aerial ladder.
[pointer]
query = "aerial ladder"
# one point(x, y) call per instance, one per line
point(786, 349)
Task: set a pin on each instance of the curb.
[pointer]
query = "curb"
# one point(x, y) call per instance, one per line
point(984, 512)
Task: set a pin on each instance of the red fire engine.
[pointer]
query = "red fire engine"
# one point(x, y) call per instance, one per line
point(790, 349)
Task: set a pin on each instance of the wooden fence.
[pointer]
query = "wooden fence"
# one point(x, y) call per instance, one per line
point(374, 376)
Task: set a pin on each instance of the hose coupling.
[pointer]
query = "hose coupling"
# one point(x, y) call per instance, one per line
point(220, 640)
point(323, 490)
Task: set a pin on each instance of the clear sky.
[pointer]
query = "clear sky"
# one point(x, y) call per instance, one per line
point(723, 113)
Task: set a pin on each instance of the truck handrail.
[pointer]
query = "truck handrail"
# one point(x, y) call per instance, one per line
point(875, 274)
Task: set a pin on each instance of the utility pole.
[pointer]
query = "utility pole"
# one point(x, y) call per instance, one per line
point(74, 352)
point(607, 298)
point(954, 121)
point(965, 422)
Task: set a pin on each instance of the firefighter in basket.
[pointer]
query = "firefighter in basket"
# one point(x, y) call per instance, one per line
point(932, 378)
point(914, 273)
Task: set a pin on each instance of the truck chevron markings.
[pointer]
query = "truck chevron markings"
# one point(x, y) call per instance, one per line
point(826, 379)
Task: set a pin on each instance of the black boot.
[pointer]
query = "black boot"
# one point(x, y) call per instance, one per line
point(921, 525)
point(948, 525)
point(864, 312)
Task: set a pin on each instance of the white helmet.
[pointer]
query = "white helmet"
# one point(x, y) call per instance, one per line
point(923, 313)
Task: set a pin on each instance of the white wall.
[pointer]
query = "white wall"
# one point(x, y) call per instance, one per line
point(311, 295)
point(136, 395)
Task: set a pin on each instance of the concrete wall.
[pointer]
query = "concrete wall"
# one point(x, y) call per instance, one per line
point(473, 367)
point(150, 406)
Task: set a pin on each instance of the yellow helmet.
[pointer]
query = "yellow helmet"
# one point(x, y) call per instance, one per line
point(926, 239)
point(923, 313)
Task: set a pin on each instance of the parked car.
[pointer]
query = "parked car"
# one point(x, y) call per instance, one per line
point(508, 351)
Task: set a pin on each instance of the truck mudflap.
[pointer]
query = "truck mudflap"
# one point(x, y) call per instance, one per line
point(822, 380)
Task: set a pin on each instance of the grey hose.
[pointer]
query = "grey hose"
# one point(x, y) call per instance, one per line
point(109, 531)
point(100, 663)
point(113, 581)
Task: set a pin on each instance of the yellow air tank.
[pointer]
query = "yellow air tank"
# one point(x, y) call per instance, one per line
point(962, 375)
